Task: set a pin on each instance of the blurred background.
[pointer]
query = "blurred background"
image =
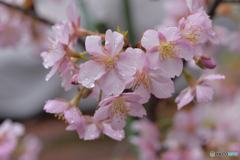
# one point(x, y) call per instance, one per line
point(23, 89)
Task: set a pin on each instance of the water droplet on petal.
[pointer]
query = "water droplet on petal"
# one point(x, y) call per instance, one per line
point(72, 121)
point(92, 85)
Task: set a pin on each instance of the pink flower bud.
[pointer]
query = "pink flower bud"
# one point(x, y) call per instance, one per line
point(209, 63)
point(205, 61)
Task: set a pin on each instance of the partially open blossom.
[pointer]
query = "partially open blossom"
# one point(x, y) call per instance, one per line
point(108, 64)
point(149, 80)
point(117, 107)
point(165, 48)
point(199, 88)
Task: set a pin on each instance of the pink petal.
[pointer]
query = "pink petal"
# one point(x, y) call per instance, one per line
point(136, 110)
point(181, 23)
point(154, 59)
point(53, 70)
point(131, 97)
point(71, 127)
point(81, 130)
point(94, 45)
point(55, 106)
point(171, 33)
point(185, 49)
point(92, 132)
point(118, 121)
point(66, 80)
point(158, 74)
point(139, 57)
point(126, 64)
point(162, 90)
point(173, 68)
point(107, 101)
point(58, 53)
point(197, 19)
point(112, 82)
point(212, 36)
point(47, 60)
point(193, 5)
point(73, 117)
point(204, 93)
point(117, 135)
point(114, 42)
point(214, 77)
point(102, 113)
point(72, 13)
point(150, 39)
point(144, 92)
point(184, 98)
point(89, 72)
point(198, 50)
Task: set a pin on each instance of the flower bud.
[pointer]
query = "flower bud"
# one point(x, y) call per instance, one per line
point(86, 92)
point(205, 61)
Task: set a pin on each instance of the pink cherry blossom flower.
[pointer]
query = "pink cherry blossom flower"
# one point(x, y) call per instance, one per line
point(108, 64)
point(58, 54)
point(149, 80)
point(9, 134)
point(87, 129)
point(200, 89)
point(197, 29)
point(117, 107)
point(165, 48)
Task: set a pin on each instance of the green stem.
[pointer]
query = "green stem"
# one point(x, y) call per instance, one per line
point(100, 98)
point(77, 98)
point(129, 21)
point(83, 53)
point(189, 78)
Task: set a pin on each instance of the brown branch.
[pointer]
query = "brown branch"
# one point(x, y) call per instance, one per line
point(32, 13)
point(211, 12)
point(28, 12)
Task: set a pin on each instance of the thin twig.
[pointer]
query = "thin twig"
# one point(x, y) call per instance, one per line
point(211, 12)
point(33, 14)
point(28, 12)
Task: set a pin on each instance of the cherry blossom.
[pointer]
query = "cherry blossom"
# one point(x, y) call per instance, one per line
point(62, 46)
point(165, 48)
point(149, 80)
point(199, 88)
point(108, 64)
point(117, 107)
point(87, 129)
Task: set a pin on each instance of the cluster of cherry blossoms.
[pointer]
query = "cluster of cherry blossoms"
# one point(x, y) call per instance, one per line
point(10, 134)
point(18, 29)
point(117, 67)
